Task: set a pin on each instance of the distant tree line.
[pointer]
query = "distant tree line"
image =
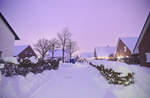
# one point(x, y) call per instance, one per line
point(62, 41)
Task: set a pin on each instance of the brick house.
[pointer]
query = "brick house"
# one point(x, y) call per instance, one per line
point(125, 47)
point(7, 38)
point(142, 47)
point(23, 51)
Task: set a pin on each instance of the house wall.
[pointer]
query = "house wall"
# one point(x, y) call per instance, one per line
point(144, 47)
point(28, 52)
point(7, 40)
point(120, 51)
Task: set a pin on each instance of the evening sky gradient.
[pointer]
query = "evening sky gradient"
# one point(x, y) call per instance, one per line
point(92, 22)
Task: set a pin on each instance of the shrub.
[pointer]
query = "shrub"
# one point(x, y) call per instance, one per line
point(115, 77)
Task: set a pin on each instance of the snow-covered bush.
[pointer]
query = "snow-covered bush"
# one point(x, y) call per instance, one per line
point(10, 60)
point(33, 59)
point(1, 66)
point(25, 63)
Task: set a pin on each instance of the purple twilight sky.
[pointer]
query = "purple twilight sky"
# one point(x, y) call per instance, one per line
point(92, 22)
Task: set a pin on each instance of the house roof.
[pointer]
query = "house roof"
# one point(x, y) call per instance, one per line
point(144, 29)
point(10, 28)
point(87, 54)
point(19, 48)
point(129, 42)
point(104, 51)
point(57, 53)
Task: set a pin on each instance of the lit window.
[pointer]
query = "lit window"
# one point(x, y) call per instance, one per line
point(147, 57)
point(125, 49)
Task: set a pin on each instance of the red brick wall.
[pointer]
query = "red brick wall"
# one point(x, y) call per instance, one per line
point(144, 47)
point(120, 50)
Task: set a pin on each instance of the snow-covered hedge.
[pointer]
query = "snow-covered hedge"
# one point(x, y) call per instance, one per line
point(1, 66)
point(115, 77)
point(33, 59)
point(10, 60)
point(121, 67)
point(25, 66)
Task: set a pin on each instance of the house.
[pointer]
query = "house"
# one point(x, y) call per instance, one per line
point(57, 54)
point(142, 47)
point(125, 47)
point(87, 55)
point(104, 52)
point(23, 51)
point(7, 38)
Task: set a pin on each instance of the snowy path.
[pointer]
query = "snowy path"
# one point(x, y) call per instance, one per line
point(75, 81)
point(72, 82)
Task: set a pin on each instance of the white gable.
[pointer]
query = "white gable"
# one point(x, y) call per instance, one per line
point(129, 42)
point(7, 40)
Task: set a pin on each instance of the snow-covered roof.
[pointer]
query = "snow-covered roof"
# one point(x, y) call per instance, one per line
point(57, 53)
point(104, 51)
point(19, 48)
point(143, 32)
point(87, 54)
point(129, 42)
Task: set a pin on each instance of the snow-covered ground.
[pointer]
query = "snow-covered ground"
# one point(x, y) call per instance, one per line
point(76, 81)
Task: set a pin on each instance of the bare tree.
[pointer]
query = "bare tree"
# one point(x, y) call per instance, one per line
point(64, 37)
point(54, 44)
point(71, 48)
point(42, 46)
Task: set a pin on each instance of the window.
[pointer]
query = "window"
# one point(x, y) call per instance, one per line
point(147, 57)
point(1, 54)
point(125, 49)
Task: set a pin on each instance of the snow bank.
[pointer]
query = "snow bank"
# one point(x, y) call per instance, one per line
point(10, 60)
point(78, 65)
point(75, 81)
point(22, 87)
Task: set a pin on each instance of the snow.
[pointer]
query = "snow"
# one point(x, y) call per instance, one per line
point(79, 80)
point(10, 60)
point(130, 42)
point(121, 67)
point(33, 59)
point(1, 66)
point(105, 51)
point(136, 51)
point(19, 48)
